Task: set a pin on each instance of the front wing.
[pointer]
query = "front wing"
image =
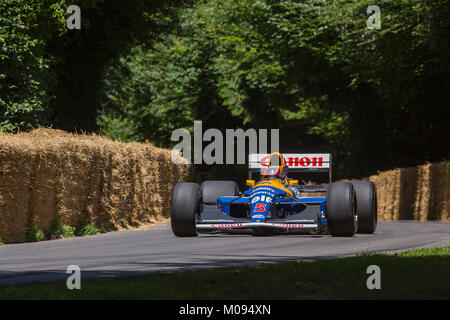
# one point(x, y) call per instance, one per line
point(211, 219)
point(253, 225)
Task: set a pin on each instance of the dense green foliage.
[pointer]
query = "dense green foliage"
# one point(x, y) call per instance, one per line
point(374, 98)
point(109, 29)
point(25, 75)
point(50, 75)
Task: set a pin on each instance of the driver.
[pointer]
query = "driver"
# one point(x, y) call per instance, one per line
point(278, 170)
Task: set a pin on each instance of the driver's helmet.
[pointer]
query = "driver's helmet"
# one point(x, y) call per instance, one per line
point(276, 168)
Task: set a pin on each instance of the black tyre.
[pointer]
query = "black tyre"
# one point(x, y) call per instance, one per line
point(211, 190)
point(341, 209)
point(366, 206)
point(185, 198)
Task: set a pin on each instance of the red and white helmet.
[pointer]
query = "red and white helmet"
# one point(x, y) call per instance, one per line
point(276, 168)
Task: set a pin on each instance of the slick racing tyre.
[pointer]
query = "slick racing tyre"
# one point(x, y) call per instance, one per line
point(366, 206)
point(211, 190)
point(341, 209)
point(185, 199)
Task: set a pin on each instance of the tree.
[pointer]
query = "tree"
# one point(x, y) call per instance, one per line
point(26, 77)
point(52, 76)
point(374, 98)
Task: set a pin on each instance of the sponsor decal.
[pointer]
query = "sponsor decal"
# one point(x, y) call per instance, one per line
point(258, 216)
point(293, 160)
point(297, 161)
point(235, 225)
point(229, 225)
point(287, 225)
point(313, 187)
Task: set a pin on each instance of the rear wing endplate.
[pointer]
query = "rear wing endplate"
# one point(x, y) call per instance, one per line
point(297, 162)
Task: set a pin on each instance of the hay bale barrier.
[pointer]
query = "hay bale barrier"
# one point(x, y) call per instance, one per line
point(416, 193)
point(50, 177)
point(53, 178)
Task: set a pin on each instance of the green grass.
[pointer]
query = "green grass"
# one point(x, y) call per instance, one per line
point(34, 235)
point(419, 274)
point(59, 231)
point(87, 229)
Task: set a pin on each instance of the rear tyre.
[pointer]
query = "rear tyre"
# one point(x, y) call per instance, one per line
point(341, 209)
point(366, 206)
point(185, 199)
point(211, 190)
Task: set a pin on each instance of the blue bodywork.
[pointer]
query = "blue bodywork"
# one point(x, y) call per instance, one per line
point(268, 203)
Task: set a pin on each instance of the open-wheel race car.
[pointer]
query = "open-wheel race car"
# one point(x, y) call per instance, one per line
point(276, 203)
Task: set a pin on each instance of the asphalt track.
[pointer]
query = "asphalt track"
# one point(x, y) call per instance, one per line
point(138, 252)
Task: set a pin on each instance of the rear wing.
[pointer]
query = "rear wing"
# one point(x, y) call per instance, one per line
point(297, 162)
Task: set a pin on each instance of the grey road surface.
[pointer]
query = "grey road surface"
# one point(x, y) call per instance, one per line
point(138, 252)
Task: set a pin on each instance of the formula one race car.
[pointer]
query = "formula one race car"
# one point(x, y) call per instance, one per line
point(276, 203)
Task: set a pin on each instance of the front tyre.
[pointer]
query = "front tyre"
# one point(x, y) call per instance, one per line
point(366, 206)
point(185, 198)
point(341, 209)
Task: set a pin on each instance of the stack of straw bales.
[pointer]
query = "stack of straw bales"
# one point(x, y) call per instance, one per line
point(50, 175)
point(415, 193)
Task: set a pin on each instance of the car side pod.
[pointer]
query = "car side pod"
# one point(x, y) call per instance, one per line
point(341, 209)
point(185, 209)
